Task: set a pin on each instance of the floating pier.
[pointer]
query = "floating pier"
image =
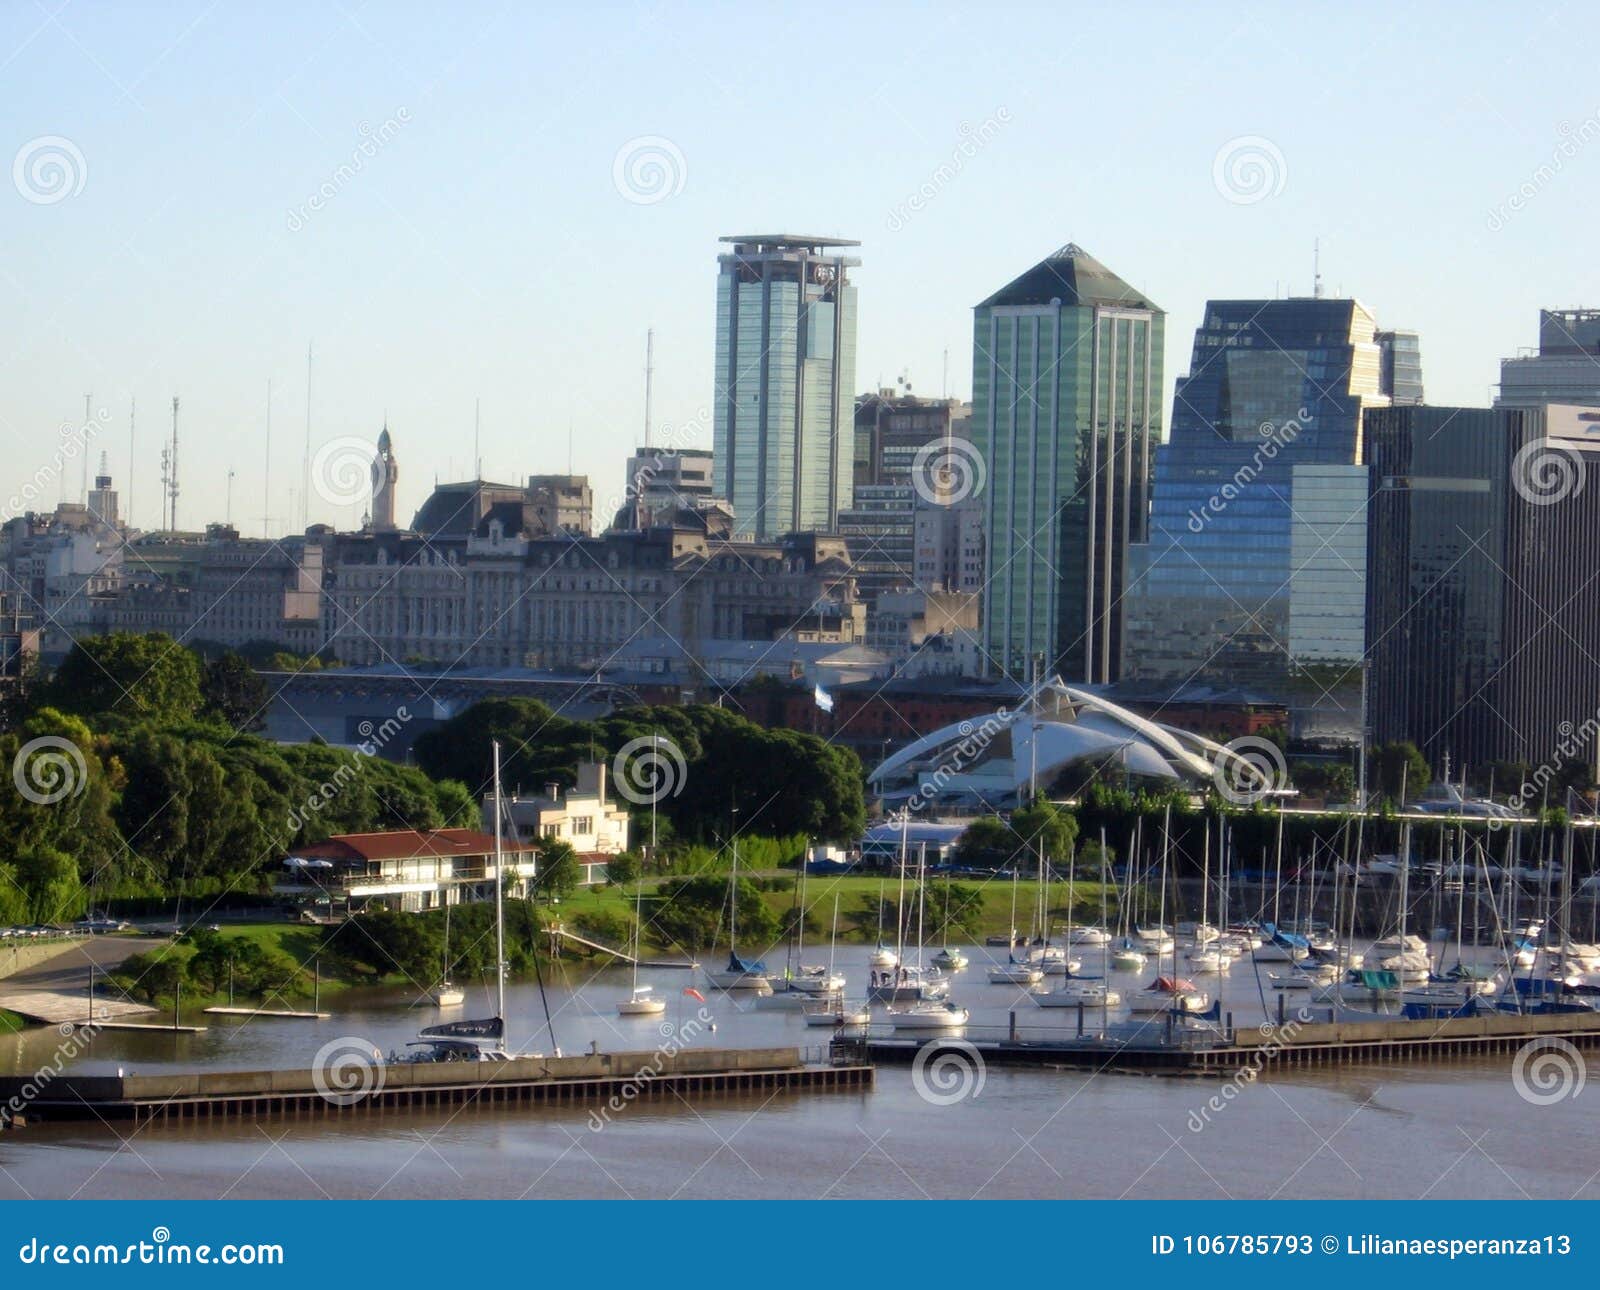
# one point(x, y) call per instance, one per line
point(559, 934)
point(252, 1013)
point(1174, 1047)
point(609, 1081)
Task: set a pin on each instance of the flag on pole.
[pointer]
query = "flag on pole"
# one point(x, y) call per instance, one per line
point(693, 993)
point(824, 700)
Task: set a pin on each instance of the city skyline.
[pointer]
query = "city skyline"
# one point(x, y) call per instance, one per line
point(205, 271)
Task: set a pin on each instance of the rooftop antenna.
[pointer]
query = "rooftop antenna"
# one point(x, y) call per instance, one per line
point(227, 506)
point(128, 514)
point(649, 379)
point(1316, 269)
point(88, 417)
point(172, 478)
point(944, 389)
point(477, 459)
point(266, 473)
point(305, 469)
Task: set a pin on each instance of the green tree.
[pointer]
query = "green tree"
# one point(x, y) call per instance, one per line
point(234, 693)
point(1399, 769)
point(622, 869)
point(49, 881)
point(559, 870)
point(137, 675)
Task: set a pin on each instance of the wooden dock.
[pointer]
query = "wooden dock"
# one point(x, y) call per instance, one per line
point(1177, 1049)
point(559, 934)
point(609, 1081)
point(249, 1014)
point(56, 1007)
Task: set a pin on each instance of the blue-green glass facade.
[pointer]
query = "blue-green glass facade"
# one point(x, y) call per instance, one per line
point(784, 403)
point(1066, 395)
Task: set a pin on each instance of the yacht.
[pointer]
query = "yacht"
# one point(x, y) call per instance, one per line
point(949, 960)
point(1079, 991)
point(1016, 974)
point(836, 1013)
point(930, 1014)
point(641, 1002)
point(1169, 994)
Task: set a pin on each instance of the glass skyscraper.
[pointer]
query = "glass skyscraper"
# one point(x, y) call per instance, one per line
point(1483, 610)
point(1254, 573)
point(1066, 395)
point(784, 418)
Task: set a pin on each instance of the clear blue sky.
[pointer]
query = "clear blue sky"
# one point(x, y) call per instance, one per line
point(485, 251)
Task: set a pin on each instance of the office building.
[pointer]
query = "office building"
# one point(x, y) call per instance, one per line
point(1564, 369)
point(1483, 614)
point(784, 395)
point(1253, 576)
point(1066, 408)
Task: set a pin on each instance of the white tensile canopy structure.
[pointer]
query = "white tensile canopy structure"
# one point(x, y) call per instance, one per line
point(992, 761)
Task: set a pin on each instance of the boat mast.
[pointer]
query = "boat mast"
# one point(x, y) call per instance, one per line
point(499, 907)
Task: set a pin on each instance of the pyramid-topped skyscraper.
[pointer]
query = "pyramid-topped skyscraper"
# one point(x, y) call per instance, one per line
point(1066, 394)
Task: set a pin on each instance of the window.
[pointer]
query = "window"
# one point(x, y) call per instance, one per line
point(582, 824)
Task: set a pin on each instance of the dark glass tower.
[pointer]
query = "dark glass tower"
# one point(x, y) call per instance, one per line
point(1254, 574)
point(1483, 609)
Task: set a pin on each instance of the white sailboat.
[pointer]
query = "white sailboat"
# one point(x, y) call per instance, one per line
point(641, 1002)
point(926, 1013)
point(447, 994)
point(739, 974)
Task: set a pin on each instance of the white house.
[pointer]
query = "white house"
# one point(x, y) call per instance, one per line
point(595, 824)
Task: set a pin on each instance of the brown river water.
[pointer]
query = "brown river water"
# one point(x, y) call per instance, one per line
point(1453, 1130)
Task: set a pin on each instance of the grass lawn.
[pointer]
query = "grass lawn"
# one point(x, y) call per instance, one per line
point(856, 894)
point(10, 1023)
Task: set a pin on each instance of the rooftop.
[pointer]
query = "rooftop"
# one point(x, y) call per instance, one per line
point(1073, 277)
point(406, 844)
point(788, 239)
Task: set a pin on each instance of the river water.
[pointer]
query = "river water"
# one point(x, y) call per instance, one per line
point(1450, 1130)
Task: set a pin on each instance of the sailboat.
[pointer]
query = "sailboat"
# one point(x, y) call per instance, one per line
point(739, 974)
point(832, 1010)
point(482, 1039)
point(928, 1012)
point(447, 994)
point(641, 1001)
